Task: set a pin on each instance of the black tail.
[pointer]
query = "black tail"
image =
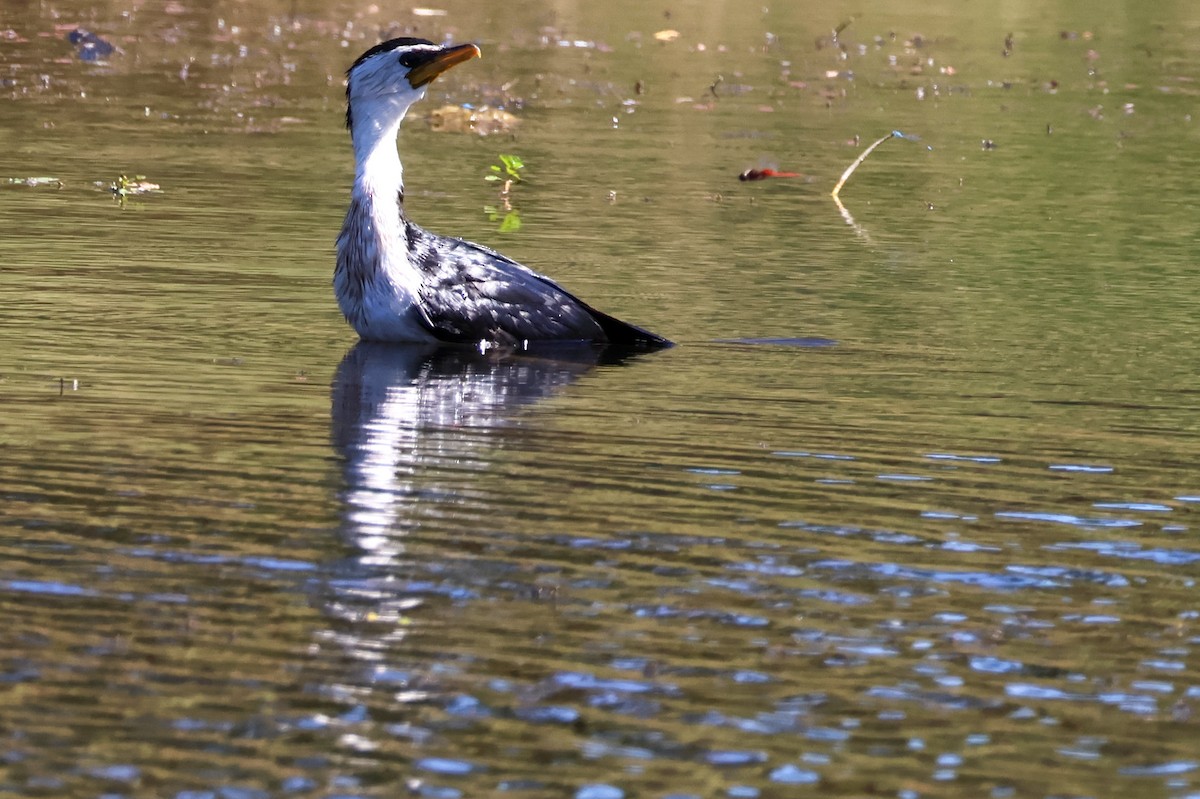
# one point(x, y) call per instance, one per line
point(623, 334)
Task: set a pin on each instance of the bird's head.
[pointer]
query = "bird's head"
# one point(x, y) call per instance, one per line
point(391, 76)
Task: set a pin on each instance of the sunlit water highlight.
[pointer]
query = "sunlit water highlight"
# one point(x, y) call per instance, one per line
point(909, 512)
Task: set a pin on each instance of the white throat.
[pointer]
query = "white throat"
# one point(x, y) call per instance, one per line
point(375, 126)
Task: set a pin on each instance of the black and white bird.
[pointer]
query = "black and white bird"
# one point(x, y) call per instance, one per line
point(396, 281)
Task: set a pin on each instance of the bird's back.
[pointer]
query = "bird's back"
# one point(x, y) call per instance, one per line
point(470, 293)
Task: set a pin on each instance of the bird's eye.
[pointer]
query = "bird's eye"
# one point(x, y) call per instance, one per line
point(409, 60)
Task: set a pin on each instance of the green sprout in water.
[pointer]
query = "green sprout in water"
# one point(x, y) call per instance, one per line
point(509, 171)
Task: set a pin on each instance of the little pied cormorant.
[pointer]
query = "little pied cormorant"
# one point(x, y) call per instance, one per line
point(397, 282)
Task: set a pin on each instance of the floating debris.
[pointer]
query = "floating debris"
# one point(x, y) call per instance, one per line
point(585, 44)
point(89, 46)
point(125, 186)
point(35, 181)
point(483, 120)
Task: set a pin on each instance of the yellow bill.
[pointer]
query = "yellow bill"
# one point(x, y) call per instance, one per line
point(441, 61)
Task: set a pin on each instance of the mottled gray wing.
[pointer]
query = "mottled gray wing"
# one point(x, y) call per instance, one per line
point(471, 293)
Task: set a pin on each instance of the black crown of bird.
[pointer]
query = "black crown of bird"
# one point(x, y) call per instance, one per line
point(396, 281)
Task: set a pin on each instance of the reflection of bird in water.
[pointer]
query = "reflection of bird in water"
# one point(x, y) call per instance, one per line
point(398, 282)
point(400, 411)
point(416, 427)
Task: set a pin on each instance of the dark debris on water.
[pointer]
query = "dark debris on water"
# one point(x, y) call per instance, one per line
point(89, 46)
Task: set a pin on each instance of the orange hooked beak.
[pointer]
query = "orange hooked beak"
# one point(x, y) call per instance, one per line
point(441, 61)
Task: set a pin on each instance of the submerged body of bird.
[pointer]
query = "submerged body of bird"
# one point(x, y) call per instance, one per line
point(396, 281)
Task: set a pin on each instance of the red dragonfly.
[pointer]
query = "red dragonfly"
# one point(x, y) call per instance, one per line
point(763, 174)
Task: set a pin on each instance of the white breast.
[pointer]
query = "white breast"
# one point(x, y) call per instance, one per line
point(376, 286)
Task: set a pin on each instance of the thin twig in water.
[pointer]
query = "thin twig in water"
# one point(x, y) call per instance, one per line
point(850, 169)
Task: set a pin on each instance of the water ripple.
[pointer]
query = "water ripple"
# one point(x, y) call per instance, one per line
point(1132, 551)
point(1066, 518)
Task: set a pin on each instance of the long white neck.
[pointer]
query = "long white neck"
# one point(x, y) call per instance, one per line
point(376, 284)
point(375, 125)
